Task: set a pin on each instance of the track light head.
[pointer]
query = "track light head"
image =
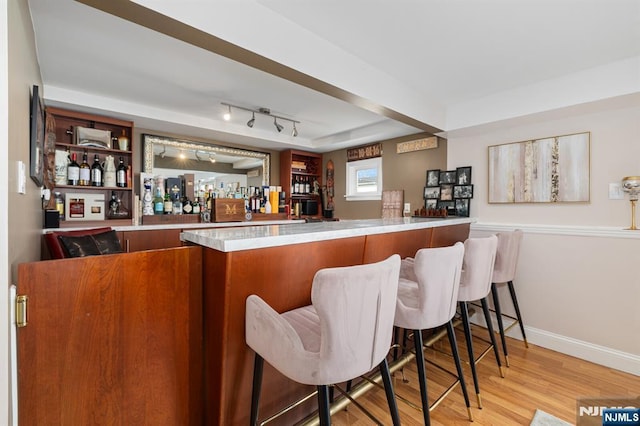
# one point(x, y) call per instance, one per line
point(279, 127)
point(227, 115)
point(294, 132)
point(164, 152)
point(253, 119)
point(212, 158)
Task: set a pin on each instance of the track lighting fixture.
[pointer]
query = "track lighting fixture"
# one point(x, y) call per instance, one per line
point(182, 155)
point(164, 152)
point(279, 127)
point(212, 158)
point(197, 156)
point(264, 111)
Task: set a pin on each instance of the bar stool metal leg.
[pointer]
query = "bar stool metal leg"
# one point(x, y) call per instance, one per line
point(422, 378)
point(258, 365)
point(456, 357)
point(496, 305)
point(492, 335)
point(323, 405)
point(514, 299)
point(388, 390)
point(464, 312)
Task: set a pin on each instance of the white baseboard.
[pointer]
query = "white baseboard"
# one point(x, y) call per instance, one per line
point(601, 355)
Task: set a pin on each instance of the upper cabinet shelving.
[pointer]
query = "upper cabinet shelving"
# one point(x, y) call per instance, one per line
point(106, 131)
point(301, 178)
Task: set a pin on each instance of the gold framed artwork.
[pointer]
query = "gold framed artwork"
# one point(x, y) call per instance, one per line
point(547, 170)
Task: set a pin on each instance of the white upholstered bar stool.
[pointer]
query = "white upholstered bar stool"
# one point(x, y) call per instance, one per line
point(427, 298)
point(343, 334)
point(504, 272)
point(475, 284)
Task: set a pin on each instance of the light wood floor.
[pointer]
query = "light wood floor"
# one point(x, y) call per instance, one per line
point(537, 378)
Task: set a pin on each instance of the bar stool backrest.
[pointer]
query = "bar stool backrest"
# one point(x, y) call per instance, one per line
point(477, 268)
point(507, 256)
point(437, 273)
point(356, 306)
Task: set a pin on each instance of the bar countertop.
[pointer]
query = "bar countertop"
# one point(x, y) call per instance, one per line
point(255, 237)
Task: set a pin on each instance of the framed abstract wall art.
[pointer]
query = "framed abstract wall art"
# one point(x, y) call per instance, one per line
point(548, 170)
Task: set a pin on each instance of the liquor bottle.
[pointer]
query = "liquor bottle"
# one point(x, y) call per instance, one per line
point(59, 204)
point(96, 172)
point(196, 206)
point(73, 171)
point(307, 186)
point(121, 174)
point(85, 171)
point(158, 202)
point(177, 204)
point(296, 185)
point(187, 206)
point(168, 204)
point(267, 203)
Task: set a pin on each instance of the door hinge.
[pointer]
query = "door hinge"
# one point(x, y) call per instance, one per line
point(21, 310)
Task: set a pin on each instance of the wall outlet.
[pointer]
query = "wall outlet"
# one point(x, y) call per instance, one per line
point(615, 191)
point(407, 208)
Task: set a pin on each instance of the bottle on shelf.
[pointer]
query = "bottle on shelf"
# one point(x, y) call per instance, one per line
point(296, 185)
point(158, 202)
point(177, 204)
point(59, 204)
point(109, 171)
point(168, 204)
point(267, 203)
point(73, 171)
point(187, 205)
point(96, 172)
point(123, 141)
point(85, 171)
point(307, 186)
point(196, 206)
point(121, 174)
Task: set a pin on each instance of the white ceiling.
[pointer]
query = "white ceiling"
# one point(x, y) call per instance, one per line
point(422, 63)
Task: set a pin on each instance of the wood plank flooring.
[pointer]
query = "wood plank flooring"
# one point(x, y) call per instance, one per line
point(538, 378)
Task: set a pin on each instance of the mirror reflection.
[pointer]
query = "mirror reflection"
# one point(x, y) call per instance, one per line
point(212, 165)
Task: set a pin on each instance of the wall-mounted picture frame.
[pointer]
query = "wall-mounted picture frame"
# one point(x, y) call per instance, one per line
point(431, 192)
point(430, 204)
point(462, 207)
point(433, 177)
point(446, 192)
point(463, 191)
point(448, 177)
point(36, 143)
point(463, 175)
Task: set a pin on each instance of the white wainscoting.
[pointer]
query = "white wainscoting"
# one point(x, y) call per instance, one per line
point(557, 291)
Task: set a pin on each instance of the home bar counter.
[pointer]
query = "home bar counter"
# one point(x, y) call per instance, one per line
point(278, 262)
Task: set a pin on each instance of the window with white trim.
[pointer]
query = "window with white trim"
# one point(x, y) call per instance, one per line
point(364, 179)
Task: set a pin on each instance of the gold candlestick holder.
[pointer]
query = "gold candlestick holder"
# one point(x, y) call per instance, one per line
point(631, 184)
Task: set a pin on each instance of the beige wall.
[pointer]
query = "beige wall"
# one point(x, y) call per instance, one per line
point(577, 277)
point(25, 214)
point(399, 171)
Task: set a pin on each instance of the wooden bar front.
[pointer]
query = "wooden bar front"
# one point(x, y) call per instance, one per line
point(282, 276)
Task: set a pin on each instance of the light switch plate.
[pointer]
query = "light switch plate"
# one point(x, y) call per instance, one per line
point(22, 178)
point(615, 191)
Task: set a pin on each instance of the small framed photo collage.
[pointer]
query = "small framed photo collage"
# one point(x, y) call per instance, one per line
point(450, 189)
